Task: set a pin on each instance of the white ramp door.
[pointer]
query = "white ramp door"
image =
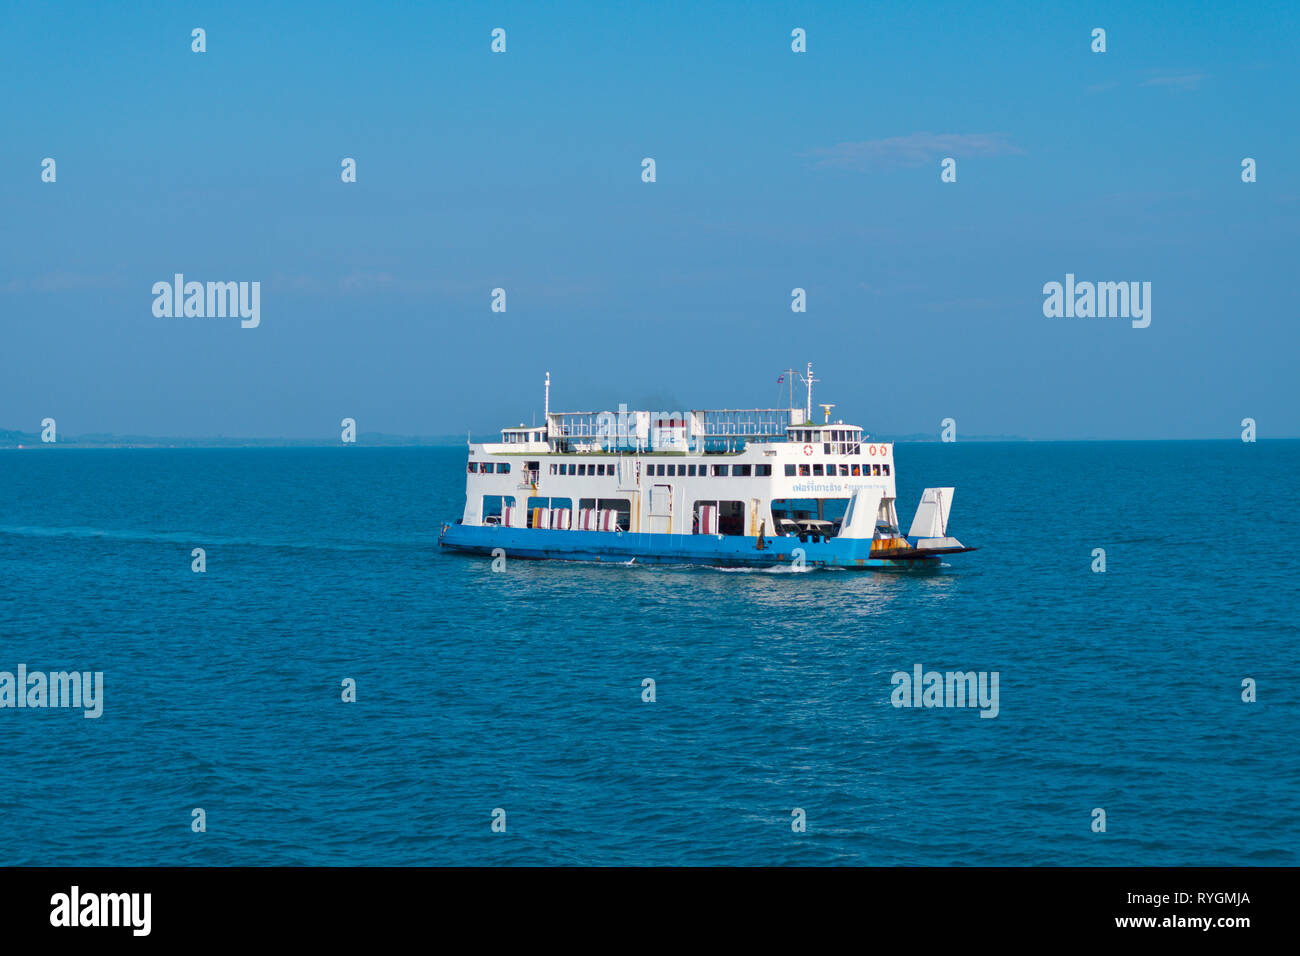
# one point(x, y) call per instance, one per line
point(931, 519)
point(661, 509)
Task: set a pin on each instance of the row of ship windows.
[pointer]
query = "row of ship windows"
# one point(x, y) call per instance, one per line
point(571, 468)
point(845, 471)
point(698, 471)
point(704, 471)
point(823, 434)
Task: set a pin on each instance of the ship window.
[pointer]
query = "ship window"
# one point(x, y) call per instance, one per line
point(886, 471)
point(472, 467)
point(553, 469)
point(875, 470)
point(789, 471)
point(844, 471)
point(720, 471)
point(826, 448)
point(742, 471)
point(763, 471)
point(503, 468)
point(857, 469)
point(817, 470)
point(804, 471)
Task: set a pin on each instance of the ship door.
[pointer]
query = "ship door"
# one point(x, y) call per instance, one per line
point(661, 509)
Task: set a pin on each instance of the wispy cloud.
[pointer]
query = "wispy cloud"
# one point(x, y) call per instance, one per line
point(915, 149)
point(1101, 87)
point(63, 282)
point(1180, 82)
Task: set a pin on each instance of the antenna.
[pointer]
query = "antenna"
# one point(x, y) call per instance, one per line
point(808, 380)
point(826, 410)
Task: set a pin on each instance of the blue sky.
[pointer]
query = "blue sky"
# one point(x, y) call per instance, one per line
point(775, 170)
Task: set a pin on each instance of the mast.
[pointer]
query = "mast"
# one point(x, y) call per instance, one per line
point(808, 380)
point(547, 407)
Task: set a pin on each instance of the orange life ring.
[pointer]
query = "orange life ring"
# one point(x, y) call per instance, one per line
point(871, 449)
point(807, 449)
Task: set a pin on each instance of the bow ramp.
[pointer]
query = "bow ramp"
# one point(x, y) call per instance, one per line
point(929, 531)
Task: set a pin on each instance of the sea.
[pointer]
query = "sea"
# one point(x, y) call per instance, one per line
point(1146, 714)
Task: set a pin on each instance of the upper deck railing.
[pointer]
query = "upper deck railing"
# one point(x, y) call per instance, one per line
point(753, 423)
point(712, 429)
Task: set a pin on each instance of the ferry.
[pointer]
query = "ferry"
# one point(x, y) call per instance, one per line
point(754, 487)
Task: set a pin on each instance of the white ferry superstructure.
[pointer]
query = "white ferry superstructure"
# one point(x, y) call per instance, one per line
point(754, 487)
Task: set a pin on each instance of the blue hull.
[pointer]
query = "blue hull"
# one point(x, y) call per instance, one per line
point(623, 547)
